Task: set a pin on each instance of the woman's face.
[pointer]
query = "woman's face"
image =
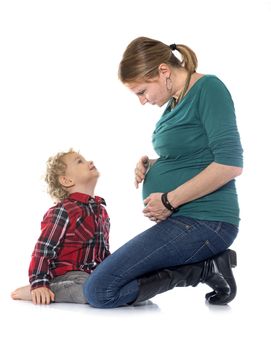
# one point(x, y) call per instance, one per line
point(153, 91)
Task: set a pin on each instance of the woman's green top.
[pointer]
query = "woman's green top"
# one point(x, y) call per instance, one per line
point(200, 130)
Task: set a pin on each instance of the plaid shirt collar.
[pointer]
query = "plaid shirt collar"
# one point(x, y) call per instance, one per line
point(85, 198)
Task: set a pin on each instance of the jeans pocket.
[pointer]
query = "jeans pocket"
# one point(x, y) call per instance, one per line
point(224, 231)
point(184, 223)
point(214, 226)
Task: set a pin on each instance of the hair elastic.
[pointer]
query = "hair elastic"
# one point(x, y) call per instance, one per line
point(173, 47)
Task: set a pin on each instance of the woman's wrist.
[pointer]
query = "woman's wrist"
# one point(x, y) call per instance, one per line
point(174, 199)
point(166, 202)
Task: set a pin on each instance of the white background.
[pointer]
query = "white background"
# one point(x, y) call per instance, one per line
point(59, 89)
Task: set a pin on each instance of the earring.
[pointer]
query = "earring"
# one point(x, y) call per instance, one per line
point(169, 84)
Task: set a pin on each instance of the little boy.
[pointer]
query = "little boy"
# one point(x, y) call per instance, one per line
point(74, 233)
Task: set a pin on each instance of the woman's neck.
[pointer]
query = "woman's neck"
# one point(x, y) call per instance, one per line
point(179, 79)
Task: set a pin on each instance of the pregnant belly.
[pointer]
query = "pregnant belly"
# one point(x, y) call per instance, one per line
point(163, 178)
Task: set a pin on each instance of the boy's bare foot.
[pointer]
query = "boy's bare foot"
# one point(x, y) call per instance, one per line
point(22, 293)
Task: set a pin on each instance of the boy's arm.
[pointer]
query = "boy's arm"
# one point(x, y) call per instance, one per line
point(102, 232)
point(106, 230)
point(53, 228)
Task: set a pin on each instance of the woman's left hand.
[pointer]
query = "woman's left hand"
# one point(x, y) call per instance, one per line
point(155, 209)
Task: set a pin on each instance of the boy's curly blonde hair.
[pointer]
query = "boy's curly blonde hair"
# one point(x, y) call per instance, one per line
point(55, 168)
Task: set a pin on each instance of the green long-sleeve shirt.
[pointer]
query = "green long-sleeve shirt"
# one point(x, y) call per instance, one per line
point(200, 130)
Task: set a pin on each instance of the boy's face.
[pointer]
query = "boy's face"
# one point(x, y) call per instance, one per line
point(80, 171)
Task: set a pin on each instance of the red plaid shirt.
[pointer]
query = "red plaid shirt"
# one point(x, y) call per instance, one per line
point(74, 236)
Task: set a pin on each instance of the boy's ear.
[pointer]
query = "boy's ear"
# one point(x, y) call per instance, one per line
point(65, 181)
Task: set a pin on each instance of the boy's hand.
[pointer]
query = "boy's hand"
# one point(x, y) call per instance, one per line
point(42, 295)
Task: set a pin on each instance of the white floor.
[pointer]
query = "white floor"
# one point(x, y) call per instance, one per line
point(177, 319)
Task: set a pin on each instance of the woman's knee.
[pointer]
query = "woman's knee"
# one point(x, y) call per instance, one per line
point(97, 295)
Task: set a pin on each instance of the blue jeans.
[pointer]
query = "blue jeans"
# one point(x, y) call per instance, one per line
point(175, 241)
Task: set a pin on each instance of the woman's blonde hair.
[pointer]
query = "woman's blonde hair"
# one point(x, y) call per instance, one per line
point(143, 56)
point(54, 169)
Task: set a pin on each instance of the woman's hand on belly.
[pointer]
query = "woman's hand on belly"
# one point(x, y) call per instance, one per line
point(155, 209)
point(142, 168)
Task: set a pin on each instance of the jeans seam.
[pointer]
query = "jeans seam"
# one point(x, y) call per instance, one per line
point(205, 244)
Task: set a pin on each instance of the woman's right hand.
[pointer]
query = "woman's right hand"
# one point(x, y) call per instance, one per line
point(141, 169)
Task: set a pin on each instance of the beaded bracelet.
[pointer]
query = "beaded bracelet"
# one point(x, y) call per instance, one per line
point(166, 203)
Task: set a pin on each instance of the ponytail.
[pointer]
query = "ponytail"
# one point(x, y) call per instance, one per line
point(189, 59)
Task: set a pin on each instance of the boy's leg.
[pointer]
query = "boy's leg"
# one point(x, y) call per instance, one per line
point(69, 287)
point(22, 293)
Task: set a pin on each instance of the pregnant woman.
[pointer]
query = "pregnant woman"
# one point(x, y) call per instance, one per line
point(189, 191)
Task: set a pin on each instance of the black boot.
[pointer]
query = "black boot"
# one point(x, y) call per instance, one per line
point(223, 263)
point(215, 272)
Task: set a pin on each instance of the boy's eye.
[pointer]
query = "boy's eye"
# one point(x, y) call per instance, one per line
point(79, 161)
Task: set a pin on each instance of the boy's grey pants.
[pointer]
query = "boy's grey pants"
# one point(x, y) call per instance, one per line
point(68, 288)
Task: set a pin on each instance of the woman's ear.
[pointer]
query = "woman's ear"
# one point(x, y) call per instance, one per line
point(164, 70)
point(65, 181)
